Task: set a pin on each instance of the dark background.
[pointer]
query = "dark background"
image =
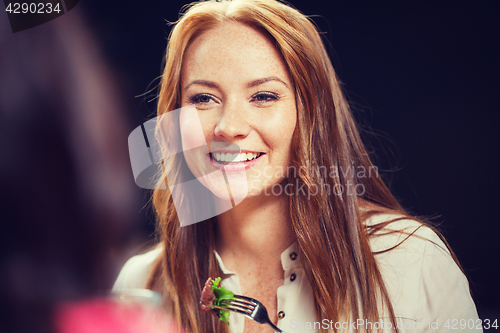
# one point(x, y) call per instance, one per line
point(422, 77)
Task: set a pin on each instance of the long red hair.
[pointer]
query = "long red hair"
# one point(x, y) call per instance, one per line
point(331, 235)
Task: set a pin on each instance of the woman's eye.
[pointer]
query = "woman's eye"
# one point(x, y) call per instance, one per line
point(201, 98)
point(265, 97)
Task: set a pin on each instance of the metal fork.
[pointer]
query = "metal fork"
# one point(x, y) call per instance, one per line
point(249, 307)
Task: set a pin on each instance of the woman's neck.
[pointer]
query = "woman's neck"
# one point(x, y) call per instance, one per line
point(257, 230)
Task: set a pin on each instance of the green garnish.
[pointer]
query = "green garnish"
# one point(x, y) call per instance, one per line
point(221, 293)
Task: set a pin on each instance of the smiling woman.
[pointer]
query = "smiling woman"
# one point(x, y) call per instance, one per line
point(256, 75)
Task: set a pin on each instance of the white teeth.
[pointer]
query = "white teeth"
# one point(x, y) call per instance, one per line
point(228, 157)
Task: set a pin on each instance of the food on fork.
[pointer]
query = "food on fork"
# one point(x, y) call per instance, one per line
point(207, 296)
point(211, 295)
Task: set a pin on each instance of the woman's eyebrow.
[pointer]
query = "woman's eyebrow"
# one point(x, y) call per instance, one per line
point(207, 83)
point(250, 84)
point(265, 79)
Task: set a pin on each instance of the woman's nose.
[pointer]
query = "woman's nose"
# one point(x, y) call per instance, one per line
point(232, 122)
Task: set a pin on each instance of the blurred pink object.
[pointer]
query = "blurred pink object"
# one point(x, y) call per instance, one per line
point(106, 316)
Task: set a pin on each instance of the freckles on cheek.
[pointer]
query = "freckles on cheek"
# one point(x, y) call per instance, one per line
point(282, 131)
point(278, 140)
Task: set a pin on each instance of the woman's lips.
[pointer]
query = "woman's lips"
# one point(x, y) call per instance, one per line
point(235, 166)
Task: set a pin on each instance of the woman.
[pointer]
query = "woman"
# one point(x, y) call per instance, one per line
point(316, 235)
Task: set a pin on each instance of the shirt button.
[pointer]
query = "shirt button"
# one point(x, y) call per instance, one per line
point(293, 255)
point(292, 277)
point(281, 315)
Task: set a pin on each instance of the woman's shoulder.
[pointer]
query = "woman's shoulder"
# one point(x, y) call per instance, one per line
point(423, 279)
point(402, 245)
point(137, 270)
point(392, 230)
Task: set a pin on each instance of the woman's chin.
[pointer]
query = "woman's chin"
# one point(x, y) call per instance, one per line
point(226, 196)
point(230, 187)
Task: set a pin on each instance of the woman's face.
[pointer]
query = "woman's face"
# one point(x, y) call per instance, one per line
point(245, 102)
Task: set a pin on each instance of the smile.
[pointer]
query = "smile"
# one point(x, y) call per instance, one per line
point(231, 158)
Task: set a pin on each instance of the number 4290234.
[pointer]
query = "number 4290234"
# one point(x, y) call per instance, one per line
point(32, 8)
point(471, 324)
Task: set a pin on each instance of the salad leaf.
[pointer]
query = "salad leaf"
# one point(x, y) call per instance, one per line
point(221, 293)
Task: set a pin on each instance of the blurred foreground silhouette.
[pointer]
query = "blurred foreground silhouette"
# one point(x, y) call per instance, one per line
point(67, 190)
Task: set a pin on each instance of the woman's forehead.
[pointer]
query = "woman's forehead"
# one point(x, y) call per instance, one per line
point(233, 48)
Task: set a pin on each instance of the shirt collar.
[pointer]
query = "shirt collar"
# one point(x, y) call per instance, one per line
point(289, 259)
point(221, 265)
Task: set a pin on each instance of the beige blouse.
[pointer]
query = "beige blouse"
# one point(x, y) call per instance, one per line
point(429, 293)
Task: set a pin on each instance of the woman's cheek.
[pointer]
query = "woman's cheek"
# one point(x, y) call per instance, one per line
point(192, 130)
